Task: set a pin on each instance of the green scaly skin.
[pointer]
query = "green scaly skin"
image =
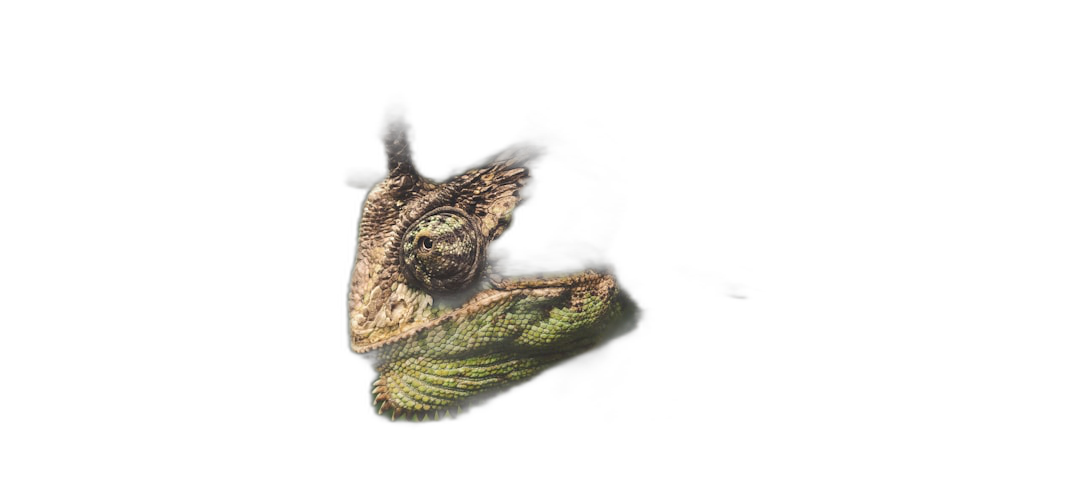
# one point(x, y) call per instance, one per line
point(422, 243)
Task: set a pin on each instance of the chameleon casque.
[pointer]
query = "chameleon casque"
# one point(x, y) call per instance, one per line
point(445, 329)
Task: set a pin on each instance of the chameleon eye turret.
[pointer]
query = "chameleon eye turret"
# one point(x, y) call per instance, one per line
point(443, 251)
point(420, 239)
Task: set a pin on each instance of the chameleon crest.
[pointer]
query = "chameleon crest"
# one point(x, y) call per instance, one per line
point(421, 252)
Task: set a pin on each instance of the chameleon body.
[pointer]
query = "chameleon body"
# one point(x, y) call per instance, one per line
point(422, 297)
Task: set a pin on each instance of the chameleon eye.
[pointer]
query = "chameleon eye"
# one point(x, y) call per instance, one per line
point(443, 250)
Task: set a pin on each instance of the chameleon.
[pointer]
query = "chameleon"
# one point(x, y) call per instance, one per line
point(443, 326)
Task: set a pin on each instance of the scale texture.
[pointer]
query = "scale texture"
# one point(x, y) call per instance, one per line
point(422, 297)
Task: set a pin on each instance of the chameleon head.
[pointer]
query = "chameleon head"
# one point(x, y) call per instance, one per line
point(444, 322)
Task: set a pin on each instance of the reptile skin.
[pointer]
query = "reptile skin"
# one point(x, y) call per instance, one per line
point(444, 328)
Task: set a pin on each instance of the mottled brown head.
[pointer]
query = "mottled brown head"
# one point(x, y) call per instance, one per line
point(419, 238)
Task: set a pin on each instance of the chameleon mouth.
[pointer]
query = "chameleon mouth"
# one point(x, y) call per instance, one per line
point(502, 288)
point(503, 292)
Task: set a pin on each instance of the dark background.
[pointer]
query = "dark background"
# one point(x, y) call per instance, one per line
point(703, 192)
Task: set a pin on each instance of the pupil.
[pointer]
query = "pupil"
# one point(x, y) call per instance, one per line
point(426, 242)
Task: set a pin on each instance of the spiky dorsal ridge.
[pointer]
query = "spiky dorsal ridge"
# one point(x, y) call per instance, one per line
point(383, 405)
